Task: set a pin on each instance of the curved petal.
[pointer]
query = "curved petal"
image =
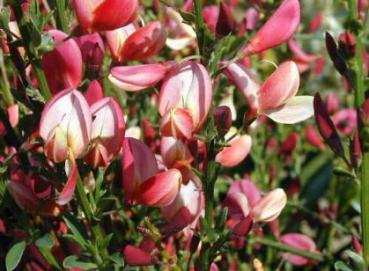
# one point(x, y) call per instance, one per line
point(177, 123)
point(138, 165)
point(245, 82)
point(236, 153)
point(94, 92)
point(278, 29)
point(160, 190)
point(136, 256)
point(145, 42)
point(281, 86)
point(299, 241)
point(189, 86)
point(68, 189)
point(138, 77)
point(296, 109)
point(270, 206)
point(247, 187)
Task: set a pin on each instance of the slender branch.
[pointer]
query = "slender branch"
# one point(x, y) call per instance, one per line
point(359, 99)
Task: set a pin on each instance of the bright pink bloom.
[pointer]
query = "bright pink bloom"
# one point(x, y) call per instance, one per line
point(144, 42)
point(299, 241)
point(185, 99)
point(136, 256)
point(161, 189)
point(239, 148)
point(107, 132)
point(174, 151)
point(13, 114)
point(138, 165)
point(65, 125)
point(186, 207)
point(332, 103)
point(68, 190)
point(345, 121)
point(94, 92)
point(313, 137)
point(278, 29)
point(251, 19)
point(63, 65)
point(103, 15)
point(276, 97)
point(211, 14)
point(138, 77)
point(116, 39)
point(270, 206)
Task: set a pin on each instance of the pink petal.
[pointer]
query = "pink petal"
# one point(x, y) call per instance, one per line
point(136, 256)
point(68, 189)
point(138, 77)
point(278, 29)
point(189, 86)
point(186, 207)
point(245, 82)
point(103, 15)
point(282, 85)
point(145, 42)
point(160, 190)
point(270, 206)
point(238, 205)
point(63, 65)
point(138, 165)
point(94, 92)
point(116, 39)
point(177, 123)
point(173, 150)
point(236, 153)
point(248, 188)
point(296, 109)
point(13, 114)
point(69, 111)
point(299, 241)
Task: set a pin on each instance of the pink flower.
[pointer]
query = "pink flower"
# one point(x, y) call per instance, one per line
point(345, 121)
point(276, 98)
point(63, 65)
point(278, 29)
point(137, 77)
point(299, 241)
point(103, 15)
point(143, 43)
point(94, 92)
point(65, 126)
point(186, 207)
point(240, 146)
point(185, 99)
point(116, 39)
point(138, 165)
point(246, 206)
point(107, 132)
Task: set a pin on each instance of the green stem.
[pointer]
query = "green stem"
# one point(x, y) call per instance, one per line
point(200, 26)
point(307, 254)
point(95, 226)
point(359, 99)
point(33, 59)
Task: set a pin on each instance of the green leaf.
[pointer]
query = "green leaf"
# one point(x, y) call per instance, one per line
point(187, 16)
point(45, 241)
point(73, 262)
point(117, 258)
point(76, 229)
point(14, 255)
point(341, 266)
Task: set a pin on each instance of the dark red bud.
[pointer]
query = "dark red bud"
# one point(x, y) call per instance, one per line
point(355, 151)
point(356, 245)
point(223, 119)
point(289, 144)
point(347, 44)
point(326, 127)
point(225, 23)
point(364, 113)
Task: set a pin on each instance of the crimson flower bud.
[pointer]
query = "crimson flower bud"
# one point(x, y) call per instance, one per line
point(223, 119)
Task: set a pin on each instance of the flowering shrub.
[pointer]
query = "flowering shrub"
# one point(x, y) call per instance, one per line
point(184, 135)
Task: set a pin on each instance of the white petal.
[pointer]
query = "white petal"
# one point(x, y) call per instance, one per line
point(297, 109)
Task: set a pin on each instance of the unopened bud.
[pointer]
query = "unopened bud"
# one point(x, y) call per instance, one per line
point(347, 44)
point(223, 119)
